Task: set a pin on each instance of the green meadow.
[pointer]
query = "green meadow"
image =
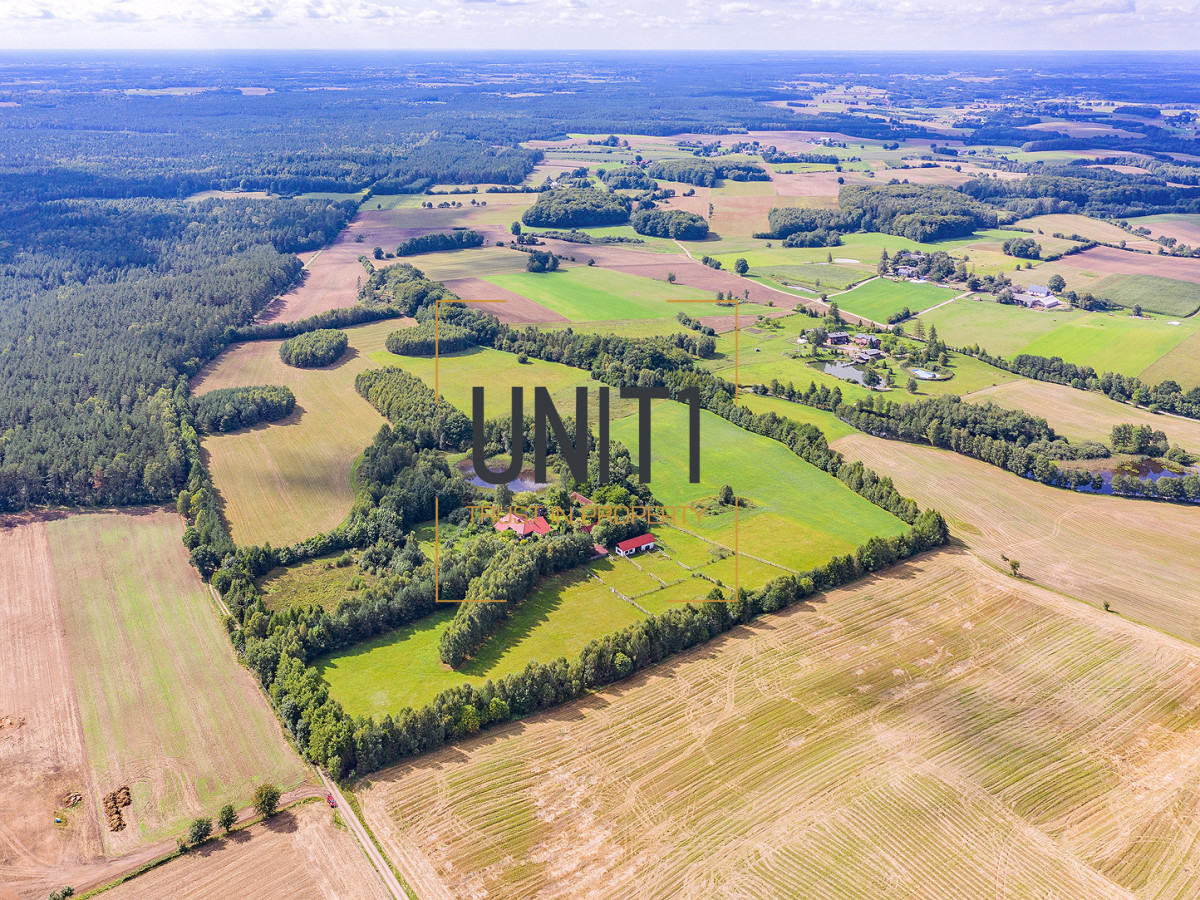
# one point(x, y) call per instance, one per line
point(1107, 341)
point(797, 515)
point(1162, 295)
point(593, 294)
point(882, 297)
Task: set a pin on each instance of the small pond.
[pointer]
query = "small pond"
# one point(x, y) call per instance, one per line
point(523, 482)
point(845, 371)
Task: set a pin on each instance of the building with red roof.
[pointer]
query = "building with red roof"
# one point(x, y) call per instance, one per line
point(523, 525)
point(634, 544)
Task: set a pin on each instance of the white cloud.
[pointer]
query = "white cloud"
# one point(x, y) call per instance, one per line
point(797, 25)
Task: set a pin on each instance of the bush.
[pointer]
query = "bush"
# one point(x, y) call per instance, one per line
point(541, 261)
point(314, 348)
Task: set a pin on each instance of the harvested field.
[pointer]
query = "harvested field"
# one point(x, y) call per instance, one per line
point(298, 853)
point(167, 712)
point(42, 755)
point(119, 675)
point(1084, 226)
point(1181, 363)
point(287, 480)
point(1182, 227)
point(514, 309)
point(1122, 262)
point(1084, 415)
point(1057, 535)
point(942, 731)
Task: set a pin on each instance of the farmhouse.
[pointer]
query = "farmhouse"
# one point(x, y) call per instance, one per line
point(577, 497)
point(906, 271)
point(866, 340)
point(523, 525)
point(1035, 301)
point(871, 353)
point(634, 544)
point(1038, 291)
point(837, 337)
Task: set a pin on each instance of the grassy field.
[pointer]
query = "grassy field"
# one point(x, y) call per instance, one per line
point(1049, 530)
point(317, 581)
point(1109, 342)
point(1084, 415)
point(165, 706)
point(1162, 295)
point(290, 479)
point(940, 732)
point(881, 297)
point(799, 517)
point(593, 294)
point(403, 669)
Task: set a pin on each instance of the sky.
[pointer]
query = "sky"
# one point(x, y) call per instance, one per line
point(796, 25)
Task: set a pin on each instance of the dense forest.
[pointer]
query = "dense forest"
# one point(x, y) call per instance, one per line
point(918, 212)
point(104, 303)
point(430, 243)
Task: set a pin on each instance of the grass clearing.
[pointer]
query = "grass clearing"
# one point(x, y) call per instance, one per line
point(1084, 415)
point(593, 294)
point(1109, 342)
point(912, 735)
point(166, 707)
point(317, 581)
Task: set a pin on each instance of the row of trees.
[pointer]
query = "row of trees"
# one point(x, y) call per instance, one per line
point(407, 401)
point(458, 239)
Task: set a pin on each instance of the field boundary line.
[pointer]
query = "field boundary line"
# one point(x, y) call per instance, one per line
point(736, 552)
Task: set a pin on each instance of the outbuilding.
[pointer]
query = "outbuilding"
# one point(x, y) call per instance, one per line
point(634, 544)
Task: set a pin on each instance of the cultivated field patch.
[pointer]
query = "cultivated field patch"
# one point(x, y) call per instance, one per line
point(882, 297)
point(164, 705)
point(298, 853)
point(1162, 295)
point(590, 294)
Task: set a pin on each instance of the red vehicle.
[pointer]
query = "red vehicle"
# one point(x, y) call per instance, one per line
point(329, 799)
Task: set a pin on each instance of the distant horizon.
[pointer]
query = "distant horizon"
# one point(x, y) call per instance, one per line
point(828, 26)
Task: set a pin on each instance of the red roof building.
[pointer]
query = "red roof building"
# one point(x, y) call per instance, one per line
point(634, 544)
point(523, 525)
point(577, 497)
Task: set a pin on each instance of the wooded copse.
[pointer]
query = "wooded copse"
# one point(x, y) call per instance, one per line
point(314, 349)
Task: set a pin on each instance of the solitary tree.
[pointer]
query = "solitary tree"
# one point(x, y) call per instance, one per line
point(200, 830)
point(741, 266)
point(725, 495)
point(1015, 566)
point(266, 800)
point(670, 278)
point(1056, 283)
point(912, 385)
point(504, 496)
point(515, 227)
point(226, 817)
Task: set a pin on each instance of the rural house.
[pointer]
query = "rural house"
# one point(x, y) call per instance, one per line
point(634, 544)
point(837, 337)
point(906, 271)
point(523, 525)
point(1038, 291)
point(1034, 301)
point(867, 355)
point(866, 340)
